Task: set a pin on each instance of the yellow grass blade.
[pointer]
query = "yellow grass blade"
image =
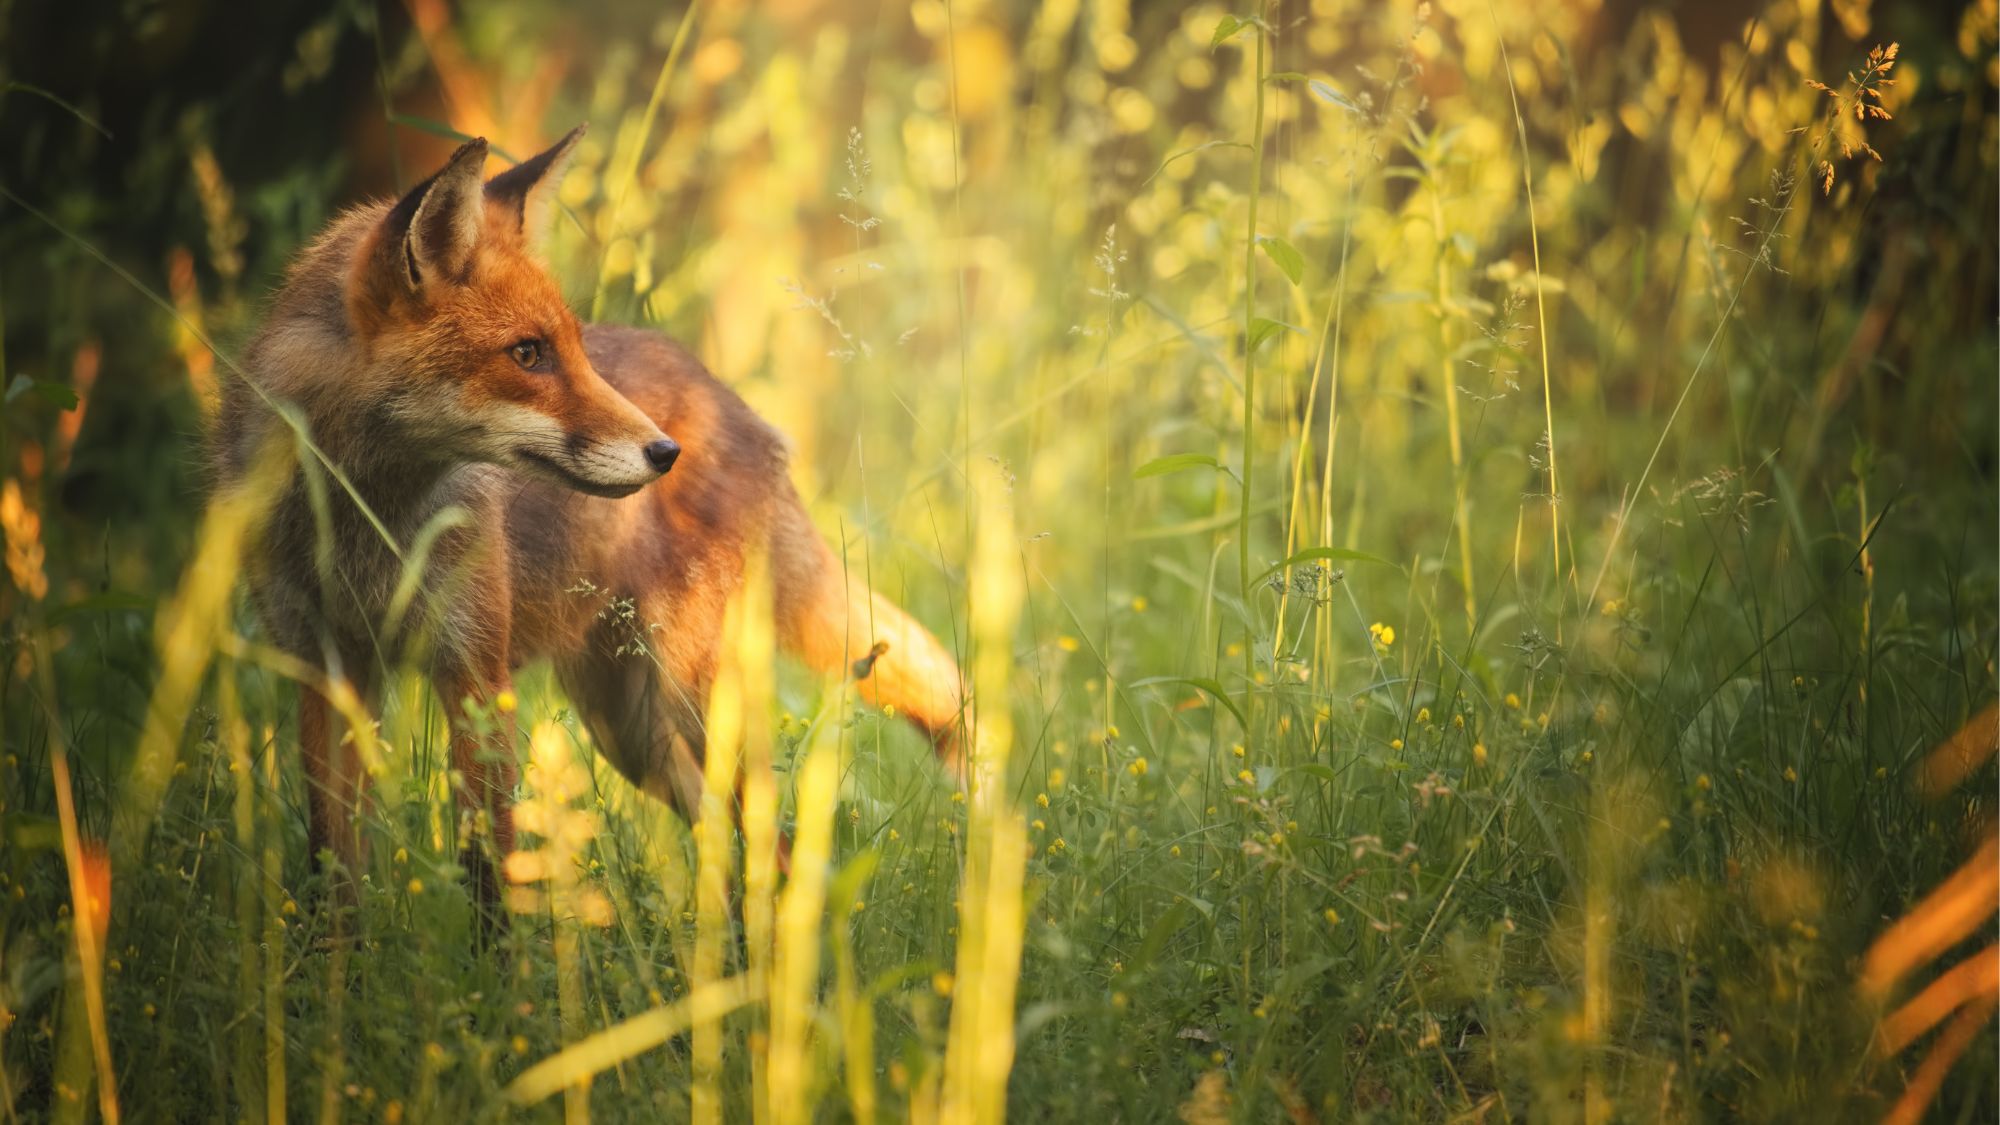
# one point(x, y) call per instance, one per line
point(1541, 309)
point(980, 1051)
point(853, 1009)
point(191, 628)
point(1964, 752)
point(628, 168)
point(1977, 978)
point(794, 970)
point(248, 894)
point(1929, 1078)
point(274, 967)
point(706, 1004)
point(753, 654)
point(714, 844)
point(1964, 902)
point(554, 779)
point(89, 892)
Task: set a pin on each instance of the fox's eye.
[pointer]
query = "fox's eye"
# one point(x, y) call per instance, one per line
point(527, 353)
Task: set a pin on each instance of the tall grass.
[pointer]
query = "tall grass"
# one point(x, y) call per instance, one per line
point(1178, 367)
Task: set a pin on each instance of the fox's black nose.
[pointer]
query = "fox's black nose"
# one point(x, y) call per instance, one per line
point(662, 453)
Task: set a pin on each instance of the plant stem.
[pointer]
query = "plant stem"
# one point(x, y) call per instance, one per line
point(1541, 320)
point(1453, 427)
point(1250, 390)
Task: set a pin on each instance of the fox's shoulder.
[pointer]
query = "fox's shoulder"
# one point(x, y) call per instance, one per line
point(303, 345)
point(665, 380)
point(644, 357)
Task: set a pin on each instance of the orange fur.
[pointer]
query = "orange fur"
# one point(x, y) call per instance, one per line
point(403, 337)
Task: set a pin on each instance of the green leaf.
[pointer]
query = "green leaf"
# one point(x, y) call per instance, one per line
point(1200, 683)
point(1330, 554)
point(59, 395)
point(1299, 975)
point(1327, 93)
point(1284, 255)
point(26, 832)
point(1285, 76)
point(1202, 906)
point(853, 876)
point(1174, 463)
point(1159, 933)
point(890, 980)
point(1034, 1017)
point(1263, 328)
point(1225, 31)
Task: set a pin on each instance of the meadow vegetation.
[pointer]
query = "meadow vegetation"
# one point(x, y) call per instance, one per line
point(1466, 520)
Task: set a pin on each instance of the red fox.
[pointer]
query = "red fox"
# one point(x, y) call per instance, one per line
point(432, 358)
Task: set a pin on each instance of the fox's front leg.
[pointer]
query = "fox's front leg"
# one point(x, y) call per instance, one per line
point(335, 785)
point(484, 773)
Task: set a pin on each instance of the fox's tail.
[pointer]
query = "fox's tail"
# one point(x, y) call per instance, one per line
point(834, 623)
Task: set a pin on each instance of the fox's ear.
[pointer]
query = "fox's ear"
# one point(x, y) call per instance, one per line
point(433, 230)
point(529, 188)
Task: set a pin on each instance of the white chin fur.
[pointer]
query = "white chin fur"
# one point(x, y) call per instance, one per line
point(535, 443)
point(585, 474)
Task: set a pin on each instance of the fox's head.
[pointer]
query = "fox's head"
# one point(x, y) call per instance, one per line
point(472, 347)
